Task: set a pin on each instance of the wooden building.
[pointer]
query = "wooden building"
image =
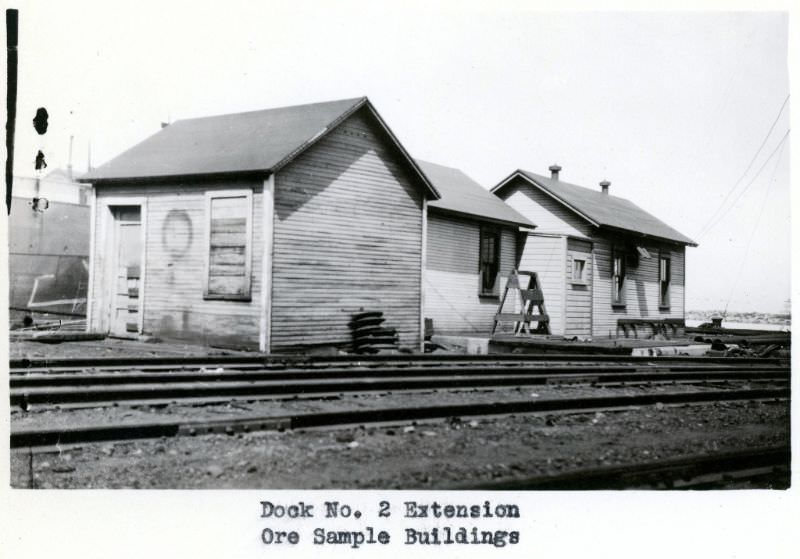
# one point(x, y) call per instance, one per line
point(266, 229)
point(607, 267)
point(472, 244)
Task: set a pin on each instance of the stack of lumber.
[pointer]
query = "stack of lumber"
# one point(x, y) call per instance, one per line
point(370, 335)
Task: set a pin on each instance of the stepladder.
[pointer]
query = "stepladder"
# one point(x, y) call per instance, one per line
point(528, 302)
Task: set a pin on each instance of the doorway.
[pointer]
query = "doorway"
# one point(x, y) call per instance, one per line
point(126, 271)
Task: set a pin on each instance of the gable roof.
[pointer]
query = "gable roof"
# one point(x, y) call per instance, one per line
point(462, 195)
point(601, 210)
point(251, 142)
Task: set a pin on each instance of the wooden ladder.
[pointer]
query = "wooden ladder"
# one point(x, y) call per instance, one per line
point(533, 310)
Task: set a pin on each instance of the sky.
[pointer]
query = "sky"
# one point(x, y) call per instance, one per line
point(672, 108)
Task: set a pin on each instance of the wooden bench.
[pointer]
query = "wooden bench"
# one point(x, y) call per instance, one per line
point(665, 326)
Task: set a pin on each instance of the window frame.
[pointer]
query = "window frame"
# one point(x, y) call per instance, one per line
point(582, 280)
point(664, 285)
point(617, 253)
point(248, 251)
point(495, 289)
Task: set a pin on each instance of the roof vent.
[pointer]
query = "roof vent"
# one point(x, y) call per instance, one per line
point(554, 169)
point(604, 185)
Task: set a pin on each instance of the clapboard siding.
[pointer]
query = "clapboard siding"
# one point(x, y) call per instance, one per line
point(452, 278)
point(347, 237)
point(548, 215)
point(175, 239)
point(578, 296)
point(641, 287)
point(546, 255)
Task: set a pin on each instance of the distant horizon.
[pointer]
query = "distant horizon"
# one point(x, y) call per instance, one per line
point(732, 312)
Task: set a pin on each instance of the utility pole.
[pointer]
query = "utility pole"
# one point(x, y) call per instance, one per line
point(12, 39)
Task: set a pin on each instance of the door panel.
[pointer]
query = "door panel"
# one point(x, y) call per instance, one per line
point(128, 253)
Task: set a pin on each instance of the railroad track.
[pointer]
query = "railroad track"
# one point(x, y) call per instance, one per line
point(29, 438)
point(26, 366)
point(763, 467)
point(98, 388)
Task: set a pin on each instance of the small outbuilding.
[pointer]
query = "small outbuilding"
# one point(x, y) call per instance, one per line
point(607, 267)
point(474, 240)
point(266, 229)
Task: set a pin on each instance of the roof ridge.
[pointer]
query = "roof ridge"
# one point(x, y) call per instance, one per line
point(353, 100)
point(586, 188)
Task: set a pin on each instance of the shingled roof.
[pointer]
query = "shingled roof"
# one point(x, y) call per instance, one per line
point(251, 142)
point(601, 210)
point(462, 195)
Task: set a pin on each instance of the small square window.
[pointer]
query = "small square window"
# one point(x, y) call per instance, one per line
point(579, 270)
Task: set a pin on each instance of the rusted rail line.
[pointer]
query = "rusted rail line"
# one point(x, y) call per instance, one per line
point(101, 389)
point(20, 366)
point(763, 466)
point(24, 438)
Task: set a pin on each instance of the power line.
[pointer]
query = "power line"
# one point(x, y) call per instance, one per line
point(749, 166)
point(753, 233)
point(758, 173)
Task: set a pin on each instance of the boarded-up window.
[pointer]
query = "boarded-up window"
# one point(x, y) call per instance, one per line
point(229, 239)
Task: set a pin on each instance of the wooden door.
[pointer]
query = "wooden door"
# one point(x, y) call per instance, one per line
point(126, 272)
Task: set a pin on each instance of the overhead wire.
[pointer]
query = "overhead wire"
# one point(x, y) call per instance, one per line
point(707, 225)
point(755, 228)
point(747, 186)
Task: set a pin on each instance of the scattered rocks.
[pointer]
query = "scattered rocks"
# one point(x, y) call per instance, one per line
point(345, 437)
point(214, 470)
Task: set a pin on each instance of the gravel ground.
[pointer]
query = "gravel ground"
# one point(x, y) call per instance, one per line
point(432, 455)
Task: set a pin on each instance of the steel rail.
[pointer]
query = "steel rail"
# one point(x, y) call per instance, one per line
point(135, 376)
point(103, 392)
point(23, 438)
point(769, 466)
point(356, 360)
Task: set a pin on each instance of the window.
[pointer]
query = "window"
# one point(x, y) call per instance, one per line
point(489, 261)
point(578, 270)
point(618, 278)
point(229, 234)
point(664, 277)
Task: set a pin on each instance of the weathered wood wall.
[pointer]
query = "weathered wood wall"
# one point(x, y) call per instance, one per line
point(347, 237)
point(578, 295)
point(452, 278)
point(546, 255)
point(175, 235)
point(548, 215)
point(641, 288)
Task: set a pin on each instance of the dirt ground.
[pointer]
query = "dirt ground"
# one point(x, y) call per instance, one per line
point(109, 347)
point(431, 455)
